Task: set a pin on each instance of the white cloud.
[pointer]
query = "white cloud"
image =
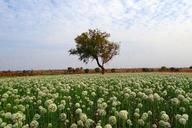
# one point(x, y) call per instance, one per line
point(149, 28)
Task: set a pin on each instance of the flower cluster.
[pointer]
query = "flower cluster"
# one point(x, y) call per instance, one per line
point(117, 100)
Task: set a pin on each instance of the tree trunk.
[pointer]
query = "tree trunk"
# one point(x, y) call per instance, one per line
point(101, 66)
point(103, 70)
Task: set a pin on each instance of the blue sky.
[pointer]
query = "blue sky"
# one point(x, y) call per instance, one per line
point(37, 34)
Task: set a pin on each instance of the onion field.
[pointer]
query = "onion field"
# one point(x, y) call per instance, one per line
point(137, 100)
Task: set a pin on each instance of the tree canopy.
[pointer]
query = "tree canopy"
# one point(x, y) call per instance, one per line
point(94, 45)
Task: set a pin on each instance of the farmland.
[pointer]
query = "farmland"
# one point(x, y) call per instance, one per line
point(137, 100)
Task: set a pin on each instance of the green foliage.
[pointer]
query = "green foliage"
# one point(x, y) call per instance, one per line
point(147, 70)
point(70, 70)
point(113, 70)
point(94, 45)
point(190, 67)
point(164, 68)
point(86, 70)
point(173, 69)
point(97, 70)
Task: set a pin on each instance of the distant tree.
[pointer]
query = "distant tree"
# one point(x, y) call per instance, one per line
point(94, 45)
point(173, 69)
point(190, 67)
point(24, 71)
point(86, 70)
point(97, 70)
point(77, 70)
point(113, 70)
point(70, 70)
point(164, 68)
point(147, 70)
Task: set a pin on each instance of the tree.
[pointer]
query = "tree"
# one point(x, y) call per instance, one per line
point(173, 69)
point(86, 70)
point(164, 68)
point(113, 70)
point(97, 70)
point(94, 45)
point(146, 70)
point(190, 67)
point(70, 70)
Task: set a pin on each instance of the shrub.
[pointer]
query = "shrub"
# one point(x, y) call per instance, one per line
point(172, 69)
point(113, 70)
point(97, 70)
point(77, 70)
point(70, 70)
point(86, 70)
point(164, 68)
point(147, 70)
point(190, 67)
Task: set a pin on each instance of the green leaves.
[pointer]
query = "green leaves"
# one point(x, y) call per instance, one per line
point(94, 44)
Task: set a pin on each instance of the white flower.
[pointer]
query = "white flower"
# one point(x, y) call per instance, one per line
point(150, 97)
point(141, 122)
point(182, 109)
point(63, 116)
point(137, 110)
point(83, 117)
point(19, 116)
point(48, 102)
point(144, 116)
point(50, 125)
point(42, 110)
point(8, 115)
point(78, 111)
point(136, 115)
point(164, 93)
point(93, 93)
point(181, 97)
point(164, 123)
point(89, 123)
point(8, 126)
point(36, 117)
point(149, 113)
point(5, 95)
point(74, 125)
point(154, 126)
point(84, 93)
point(175, 101)
point(3, 124)
point(52, 107)
point(182, 121)
point(129, 122)
point(112, 120)
point(123, 114)
point(185, 116)
point(1, 120)
point(165, 117)
point(25, 126)
point(140, 105)
point(63, 102)
point(156, 97)
point(101, 112)
point(61, 107)
point(103, 105)
point(77, 105)
point(80, 123)
point(107, 126)
point(34, 124)
point(21, 107)
point(178, 116)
